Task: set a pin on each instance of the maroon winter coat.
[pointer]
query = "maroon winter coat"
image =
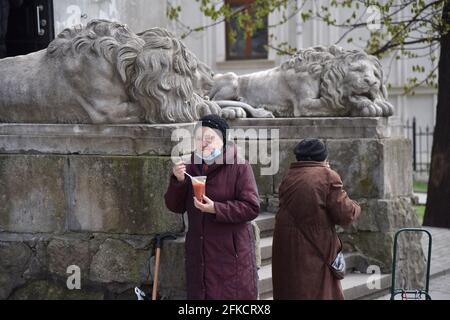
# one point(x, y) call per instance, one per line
point(220, 250)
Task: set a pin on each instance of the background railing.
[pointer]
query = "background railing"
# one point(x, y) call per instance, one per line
point(422, 141)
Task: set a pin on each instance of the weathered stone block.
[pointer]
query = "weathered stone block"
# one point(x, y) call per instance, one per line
point(373, 168)
point(94, 139)
point(120, 195)
point(63, 252)
point(385, 215)
point(38, 264)
point(14, 258)
point(117, 261)
point(365, 166)
point(360, 165)
point(32, 196)
point(398, 170)
point(376, 246)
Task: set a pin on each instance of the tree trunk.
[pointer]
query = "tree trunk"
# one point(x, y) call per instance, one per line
point(437, 212)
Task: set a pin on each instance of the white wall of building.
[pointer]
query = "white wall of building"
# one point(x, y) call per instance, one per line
point(139, 15)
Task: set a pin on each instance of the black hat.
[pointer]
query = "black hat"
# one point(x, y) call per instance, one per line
point(311, 150)
point(214, 121)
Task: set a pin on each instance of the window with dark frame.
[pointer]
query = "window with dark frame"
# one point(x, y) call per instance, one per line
point(245, 46)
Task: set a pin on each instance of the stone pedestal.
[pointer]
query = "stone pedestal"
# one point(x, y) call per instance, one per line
point(92, 196)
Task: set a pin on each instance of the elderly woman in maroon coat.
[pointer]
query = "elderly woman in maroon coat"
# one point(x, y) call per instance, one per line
point(220, 250)
point(312, 202)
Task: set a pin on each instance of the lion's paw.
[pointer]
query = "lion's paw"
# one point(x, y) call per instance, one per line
point(379, 111)
point(233, 113)
point(388, 109)
point(209, 107)
point(262, 113)
point(368, 109)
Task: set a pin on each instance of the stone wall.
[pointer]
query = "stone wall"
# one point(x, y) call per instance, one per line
point(92, 196)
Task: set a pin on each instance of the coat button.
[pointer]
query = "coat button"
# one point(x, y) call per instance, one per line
point(201, 237)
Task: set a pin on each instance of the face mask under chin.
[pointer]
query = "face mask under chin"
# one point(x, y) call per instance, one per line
point(213, 155)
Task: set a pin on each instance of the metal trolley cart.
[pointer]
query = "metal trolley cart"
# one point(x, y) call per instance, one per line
point(416, 294)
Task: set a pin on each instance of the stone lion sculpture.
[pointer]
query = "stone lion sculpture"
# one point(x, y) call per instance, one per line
point(316, 82)
point(104, 73)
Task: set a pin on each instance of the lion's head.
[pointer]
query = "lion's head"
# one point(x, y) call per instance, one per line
point(168, 80)
point(160, 74)
point(352, 82)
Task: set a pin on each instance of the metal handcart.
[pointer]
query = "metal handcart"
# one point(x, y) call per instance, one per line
point(417, 294)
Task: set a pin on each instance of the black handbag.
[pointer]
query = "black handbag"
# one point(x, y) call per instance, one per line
point(337, 267)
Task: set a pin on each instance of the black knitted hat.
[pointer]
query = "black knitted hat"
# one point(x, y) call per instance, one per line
point(311, 150)
point(214, 121)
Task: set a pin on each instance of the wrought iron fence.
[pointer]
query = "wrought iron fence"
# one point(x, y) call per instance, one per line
point(422, 141)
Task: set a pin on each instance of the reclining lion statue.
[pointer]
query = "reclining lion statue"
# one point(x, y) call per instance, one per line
point(104, 73)
point(316, 82)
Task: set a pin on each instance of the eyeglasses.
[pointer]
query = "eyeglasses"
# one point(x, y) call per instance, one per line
point(205, 138)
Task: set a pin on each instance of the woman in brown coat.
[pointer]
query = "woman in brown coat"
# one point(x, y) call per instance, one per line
point(312, 202)
point(220, 248)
